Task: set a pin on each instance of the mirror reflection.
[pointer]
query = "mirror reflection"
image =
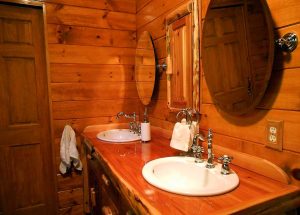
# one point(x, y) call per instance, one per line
point(238, 53)
point(145, 68)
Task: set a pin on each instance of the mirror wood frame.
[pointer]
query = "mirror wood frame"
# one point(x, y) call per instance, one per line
point(256, 88)
point(145, 68)
point(192, 86)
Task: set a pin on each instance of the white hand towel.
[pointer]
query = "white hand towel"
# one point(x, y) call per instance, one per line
point(181, 136)
point(68, 150)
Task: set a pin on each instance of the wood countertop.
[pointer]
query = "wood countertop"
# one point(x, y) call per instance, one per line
point(124, 162)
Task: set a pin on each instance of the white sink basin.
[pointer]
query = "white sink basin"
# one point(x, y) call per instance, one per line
point(182, 175)
point(118, 135)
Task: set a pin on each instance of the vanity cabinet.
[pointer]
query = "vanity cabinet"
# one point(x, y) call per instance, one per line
point(104, 195)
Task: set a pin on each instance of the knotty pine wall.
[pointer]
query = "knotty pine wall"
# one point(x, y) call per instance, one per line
point(281, 102)
point(91, 47)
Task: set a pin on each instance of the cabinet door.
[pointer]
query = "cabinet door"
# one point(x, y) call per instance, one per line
point(27, 176)
point(105, 198)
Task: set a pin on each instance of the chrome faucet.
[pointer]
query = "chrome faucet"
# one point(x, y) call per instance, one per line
point(133, 126)
point(198, 149)
point(210, 155)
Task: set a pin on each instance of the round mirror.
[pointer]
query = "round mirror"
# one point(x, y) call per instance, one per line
point(145, 68)
point(238, 52)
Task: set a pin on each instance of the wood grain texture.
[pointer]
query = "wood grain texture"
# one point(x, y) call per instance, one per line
point(74, 210)
point(68, 34)
point(87, 17)
point(69, 198)
point(91, 46)
point(93, 91)
point(73, 181)
point(80, 73)
point(111, 5)
point(59, 53)
point(154, 9)
point(254, 192)
point(92, 108)
point(284, 12)
point(141, 3)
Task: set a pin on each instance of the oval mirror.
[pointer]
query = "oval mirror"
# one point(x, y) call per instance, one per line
point(145, 67)
point(238, 52)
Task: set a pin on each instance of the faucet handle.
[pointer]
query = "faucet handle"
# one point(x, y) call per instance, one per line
point(198, 150)
point(226, 159)
point(225, 170)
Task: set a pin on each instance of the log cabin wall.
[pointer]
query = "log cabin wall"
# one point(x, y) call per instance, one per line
point(281, 101)
point(91, 47)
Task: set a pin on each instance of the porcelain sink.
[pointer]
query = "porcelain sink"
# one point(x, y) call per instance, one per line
point(183, 176)
point(118, 136)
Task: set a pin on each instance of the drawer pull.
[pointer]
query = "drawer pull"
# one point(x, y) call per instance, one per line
point(106, 210)
point(93, 196)
point(106, 181)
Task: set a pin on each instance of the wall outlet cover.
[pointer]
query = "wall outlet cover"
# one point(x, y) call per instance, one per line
point(274, 134)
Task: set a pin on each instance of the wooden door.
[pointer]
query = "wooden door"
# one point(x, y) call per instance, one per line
point(26, 164)
point(227, 70)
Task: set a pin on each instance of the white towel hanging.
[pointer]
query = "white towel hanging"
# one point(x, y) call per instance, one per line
point(68, 151)
point(181, 137)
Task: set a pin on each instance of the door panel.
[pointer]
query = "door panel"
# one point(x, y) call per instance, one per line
point(21, 90)
point(26, 161)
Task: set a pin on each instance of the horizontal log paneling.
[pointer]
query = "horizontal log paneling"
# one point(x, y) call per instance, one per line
point(67, 34)
point(286, 160)
point(91, 46)
point(253, 126)
point(59, 53)
point(156, 28)
point(154, 9)
point(87, 17)
point(69, 182)
point(69, 198)
point(93, 90)
point(160, 92)
point(159, 110)
point(284, 12)
point(160, 48)
point(79, 124)
point(112, 5)
point(74, 210)
point(141, 3)
point(161, 123)
point(72, 73)
point(92, 108)
point(286, 82)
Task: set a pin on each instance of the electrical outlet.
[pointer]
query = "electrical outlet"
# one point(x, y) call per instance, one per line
point(274, 134)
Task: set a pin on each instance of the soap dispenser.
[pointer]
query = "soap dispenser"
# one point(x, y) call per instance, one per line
point(145, 128)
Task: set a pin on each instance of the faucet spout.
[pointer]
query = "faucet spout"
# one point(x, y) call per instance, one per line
point(133, 125)
point(210, 155)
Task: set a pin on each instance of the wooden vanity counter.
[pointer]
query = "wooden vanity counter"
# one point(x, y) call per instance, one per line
point(256, 194)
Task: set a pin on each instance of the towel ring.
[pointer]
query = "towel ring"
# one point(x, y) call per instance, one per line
point(185, 112)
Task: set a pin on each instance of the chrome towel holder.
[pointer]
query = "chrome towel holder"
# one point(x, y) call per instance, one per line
point(288, 42)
